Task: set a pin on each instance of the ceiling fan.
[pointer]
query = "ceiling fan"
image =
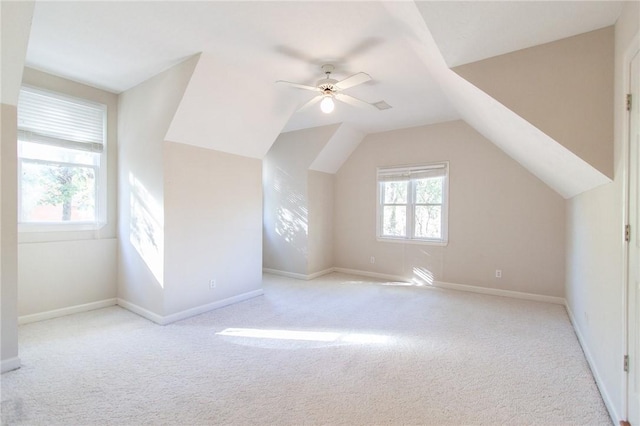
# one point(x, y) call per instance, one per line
point(330, 89)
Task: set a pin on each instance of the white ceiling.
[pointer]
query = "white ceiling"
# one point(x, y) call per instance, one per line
point(117, 45)
point(469, 31)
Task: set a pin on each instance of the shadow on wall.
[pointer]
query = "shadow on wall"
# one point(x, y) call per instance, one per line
point(291, 223)
point(146, 233)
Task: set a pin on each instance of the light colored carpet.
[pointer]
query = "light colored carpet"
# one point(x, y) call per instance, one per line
point(346, 351)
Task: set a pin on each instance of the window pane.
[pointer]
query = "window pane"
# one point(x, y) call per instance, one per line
point(57, 193)
point(429, 191)
point(37, 151)
point(394, 221)
point(395, 192)
point(428, 222)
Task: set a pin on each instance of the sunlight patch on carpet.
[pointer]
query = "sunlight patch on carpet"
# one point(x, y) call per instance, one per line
point(313, 336)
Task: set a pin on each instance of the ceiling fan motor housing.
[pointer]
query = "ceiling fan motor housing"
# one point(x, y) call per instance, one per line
point(327, 84)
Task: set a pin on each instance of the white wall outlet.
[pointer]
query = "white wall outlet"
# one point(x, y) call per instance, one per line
point(498, 273)
point(212, 284)
point(373, 259)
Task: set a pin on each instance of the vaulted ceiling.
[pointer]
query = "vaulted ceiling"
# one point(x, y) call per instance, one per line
point(244, 47)
point(118, 44)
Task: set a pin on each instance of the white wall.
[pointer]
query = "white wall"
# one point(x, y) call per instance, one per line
point(15, 25)
point(63, 274)
point(63, 269)
point(286, 198)
point(500, 216)
point(187, 214)
point(213, 226)
point(9, 236)
point(144, 115)
point(321, 195)
point(595, 281)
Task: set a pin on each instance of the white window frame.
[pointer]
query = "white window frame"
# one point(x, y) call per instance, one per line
point(408, 171)
point(100, 170)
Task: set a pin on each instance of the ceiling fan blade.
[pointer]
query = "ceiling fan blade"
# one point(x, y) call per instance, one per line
point(354, 80)
point(352, 101)
point(312, 101)
point(299, 86)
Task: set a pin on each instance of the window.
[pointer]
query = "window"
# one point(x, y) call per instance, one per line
point(412, 203)
point(61, 162)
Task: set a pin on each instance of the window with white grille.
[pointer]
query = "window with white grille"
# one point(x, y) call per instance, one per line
point(413, 203)
point(61, 161)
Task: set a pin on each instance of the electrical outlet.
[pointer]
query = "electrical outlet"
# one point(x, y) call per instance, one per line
point(212, 284)
point(498, 273)
point(372, 260)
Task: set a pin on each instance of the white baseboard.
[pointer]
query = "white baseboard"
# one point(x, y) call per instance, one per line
point(41, 316)
point(500, 292)
point(139, 310)
point(320, 273)
point(211, 306)
point(9, 364)
point(460, 287)
point(285, 273)
point(296, 275)
point(615, 416)
point(168, 319)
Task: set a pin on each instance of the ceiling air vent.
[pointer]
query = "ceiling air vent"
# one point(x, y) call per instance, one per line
point(382, 105)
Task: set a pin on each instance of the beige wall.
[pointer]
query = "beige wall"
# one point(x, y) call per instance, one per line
point(15, 25)
point(213, 226)
point(144, 115)
point(595, 282)
point(286, 198)
point(500, 216)
point(62, 274)
point(63, 269)
point(320, 192)
point(9, 235)
point(187, 214)
point(564, 88)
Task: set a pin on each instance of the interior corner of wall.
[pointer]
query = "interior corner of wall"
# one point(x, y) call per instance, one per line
point(340, 145)
point(188, 68)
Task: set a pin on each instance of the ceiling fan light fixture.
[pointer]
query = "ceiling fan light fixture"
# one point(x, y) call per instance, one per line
point(330, 88)
point(327, 105)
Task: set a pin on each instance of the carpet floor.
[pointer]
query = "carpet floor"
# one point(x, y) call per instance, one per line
point(336, 350)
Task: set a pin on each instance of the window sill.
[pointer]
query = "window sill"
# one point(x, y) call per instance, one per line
point(47, 232)
point(409, 241)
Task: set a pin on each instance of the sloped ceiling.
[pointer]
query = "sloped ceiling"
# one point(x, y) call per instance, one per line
point(15, 24)
point(551, 162)
point(342, 143)
point(469, 31)
point(242, 118)
point(232, 103)
point(117, 45)
point(571, 101)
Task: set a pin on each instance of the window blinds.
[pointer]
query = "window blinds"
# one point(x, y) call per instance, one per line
point(397, 174)
point(52, 119)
